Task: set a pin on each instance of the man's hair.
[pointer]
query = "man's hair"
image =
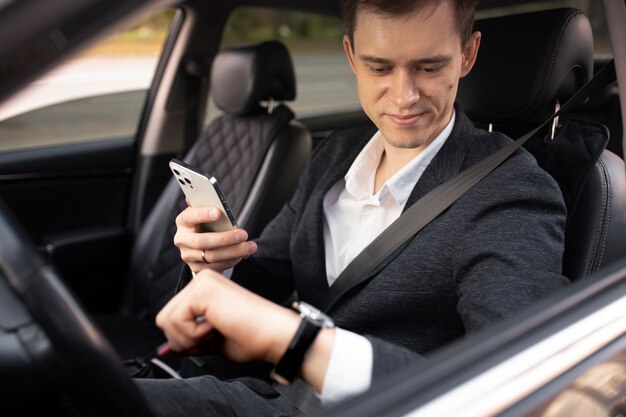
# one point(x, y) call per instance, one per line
point(464, 10)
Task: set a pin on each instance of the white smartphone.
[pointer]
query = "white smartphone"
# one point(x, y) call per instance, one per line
point(203, 190)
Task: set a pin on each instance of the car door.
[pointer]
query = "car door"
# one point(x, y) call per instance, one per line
point(67, 156)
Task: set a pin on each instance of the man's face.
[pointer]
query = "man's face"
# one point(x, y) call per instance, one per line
point(408, 69)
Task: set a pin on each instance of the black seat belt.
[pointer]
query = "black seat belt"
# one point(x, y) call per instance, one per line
point(440, 198)
point(415, 218)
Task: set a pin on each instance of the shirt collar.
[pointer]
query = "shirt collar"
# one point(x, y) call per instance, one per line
point(361, 175)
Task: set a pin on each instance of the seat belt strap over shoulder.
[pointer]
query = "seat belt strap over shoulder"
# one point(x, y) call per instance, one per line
point(423, 211)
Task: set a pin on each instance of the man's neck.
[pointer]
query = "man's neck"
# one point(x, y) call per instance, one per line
point(393, 160)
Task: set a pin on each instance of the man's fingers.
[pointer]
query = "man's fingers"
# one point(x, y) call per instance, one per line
point(227, 255)
point(220, 254)
point(220, 239)
point(187, 339)
point(211, 344)
point(190, 239)
point(193, 216)
point(179, 321)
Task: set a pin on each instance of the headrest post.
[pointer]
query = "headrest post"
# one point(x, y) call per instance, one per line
point(270, 105)
point(555, 121)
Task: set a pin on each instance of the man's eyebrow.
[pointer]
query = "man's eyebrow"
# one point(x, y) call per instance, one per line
point(437, 59)
point(374, 59)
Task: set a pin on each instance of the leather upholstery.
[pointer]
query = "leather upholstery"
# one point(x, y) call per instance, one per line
point(256, 156)
point(597, 234)
point(242, 77)
point(525, 61)
point(545, 57)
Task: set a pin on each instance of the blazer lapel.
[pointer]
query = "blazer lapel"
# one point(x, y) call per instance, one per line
point(446, 164)
point(448, 161)
point(314, 285)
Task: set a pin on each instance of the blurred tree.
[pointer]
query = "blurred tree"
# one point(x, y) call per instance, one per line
point(297, 29)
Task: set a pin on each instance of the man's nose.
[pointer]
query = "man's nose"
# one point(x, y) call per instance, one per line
point(403, 91)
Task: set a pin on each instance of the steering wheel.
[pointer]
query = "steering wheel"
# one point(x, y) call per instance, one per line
point(49, 347)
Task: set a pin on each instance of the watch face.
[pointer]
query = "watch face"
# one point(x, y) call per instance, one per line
point(313, 313)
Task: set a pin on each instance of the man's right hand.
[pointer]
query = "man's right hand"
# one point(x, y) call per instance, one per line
point(222, 250)
point(249, 327)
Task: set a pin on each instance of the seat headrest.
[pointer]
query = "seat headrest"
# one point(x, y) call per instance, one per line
point(244, 76)
point(526, 62)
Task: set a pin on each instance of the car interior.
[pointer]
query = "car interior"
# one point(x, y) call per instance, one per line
point(87, 229)
point(591, 177)
point(257, 152)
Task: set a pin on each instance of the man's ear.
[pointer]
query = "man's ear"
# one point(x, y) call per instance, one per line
point(347, 47)
point(470, 52)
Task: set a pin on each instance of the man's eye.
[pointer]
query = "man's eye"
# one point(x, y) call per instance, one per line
point(430, 70)
point(379, 70)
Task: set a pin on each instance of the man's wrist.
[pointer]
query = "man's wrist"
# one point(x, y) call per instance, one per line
point(284, 328)
point(288, 367)
point(315, 365)
point(316, 360)
point(312, 321)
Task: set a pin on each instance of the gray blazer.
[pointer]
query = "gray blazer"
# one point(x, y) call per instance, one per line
point(493, 252)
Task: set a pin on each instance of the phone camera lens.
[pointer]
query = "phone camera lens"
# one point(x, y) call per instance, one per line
point(176, 172)
point(181, 181)
point(187, 180)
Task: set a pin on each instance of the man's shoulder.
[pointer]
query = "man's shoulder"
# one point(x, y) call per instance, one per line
point(519, 173)
point(486, 143)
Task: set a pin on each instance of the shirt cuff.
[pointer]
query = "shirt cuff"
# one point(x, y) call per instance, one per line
point(349, 369)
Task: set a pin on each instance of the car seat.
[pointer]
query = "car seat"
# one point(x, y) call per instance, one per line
point(527, 65)
point(256, 150)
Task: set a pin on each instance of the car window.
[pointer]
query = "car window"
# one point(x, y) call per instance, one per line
point(324, 81)
point(96, 95)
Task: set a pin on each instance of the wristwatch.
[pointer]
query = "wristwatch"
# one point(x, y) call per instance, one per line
point(313, 320)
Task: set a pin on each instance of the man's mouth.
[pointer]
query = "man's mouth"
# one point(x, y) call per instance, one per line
point(405, 119)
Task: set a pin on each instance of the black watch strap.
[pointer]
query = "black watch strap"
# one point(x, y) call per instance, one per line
point(289, 365)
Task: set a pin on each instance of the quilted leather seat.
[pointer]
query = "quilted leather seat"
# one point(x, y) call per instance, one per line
point(527, 64)
point(255, 149)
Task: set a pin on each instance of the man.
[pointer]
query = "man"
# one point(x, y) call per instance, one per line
point(493, 252)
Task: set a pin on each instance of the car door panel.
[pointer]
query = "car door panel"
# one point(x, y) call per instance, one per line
point(85, 190)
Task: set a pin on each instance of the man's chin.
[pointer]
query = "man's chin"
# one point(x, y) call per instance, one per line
point(405, 138)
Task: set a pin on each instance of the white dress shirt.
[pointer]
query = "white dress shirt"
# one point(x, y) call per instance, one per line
point(353, 216)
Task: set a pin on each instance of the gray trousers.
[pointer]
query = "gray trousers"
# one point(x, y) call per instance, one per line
point(209, 396)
